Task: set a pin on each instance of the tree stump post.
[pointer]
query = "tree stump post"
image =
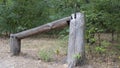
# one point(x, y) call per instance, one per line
point(15, 45)
point(76, 45)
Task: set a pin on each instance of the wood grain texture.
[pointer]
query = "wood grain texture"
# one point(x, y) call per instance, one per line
point(15, 39)
point(52, 25)
point(15, 45)
point(76, 44)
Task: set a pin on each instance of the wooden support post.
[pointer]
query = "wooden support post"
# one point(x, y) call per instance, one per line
point(76, 46)
point(15, 39)
point(15, 45)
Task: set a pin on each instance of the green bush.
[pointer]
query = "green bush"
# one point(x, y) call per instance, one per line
point(103, 47)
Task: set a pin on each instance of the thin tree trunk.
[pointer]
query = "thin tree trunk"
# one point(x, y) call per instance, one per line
point(99, 39)
point(112, 36)
point(118, 36)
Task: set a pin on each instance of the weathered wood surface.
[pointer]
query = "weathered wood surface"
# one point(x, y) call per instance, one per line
point(15, 39)
point(15, 45)
point(76, 40)
point(55, 24)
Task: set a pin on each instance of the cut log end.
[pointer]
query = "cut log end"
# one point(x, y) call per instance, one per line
point(15, 45)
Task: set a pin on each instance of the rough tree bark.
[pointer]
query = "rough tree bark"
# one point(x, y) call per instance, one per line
point(76, 46)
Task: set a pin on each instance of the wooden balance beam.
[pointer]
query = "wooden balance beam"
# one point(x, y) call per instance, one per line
point(15, 39)
point(76, 45)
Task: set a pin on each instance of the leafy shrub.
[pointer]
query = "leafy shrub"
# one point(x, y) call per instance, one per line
point(103, 47)
point(100, 49)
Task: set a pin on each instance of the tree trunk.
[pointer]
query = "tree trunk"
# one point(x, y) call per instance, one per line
point(112, 36)
point(118, 36)
point(76, 46)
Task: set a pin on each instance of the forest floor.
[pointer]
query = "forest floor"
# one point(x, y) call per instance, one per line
point(29, 57)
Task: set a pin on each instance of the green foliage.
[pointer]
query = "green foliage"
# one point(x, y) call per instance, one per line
point(19, 15)
point(103, 47)
point(101, 16)
point(77, 56)
point(45, 55)
point(57, 52)
point(100, 49)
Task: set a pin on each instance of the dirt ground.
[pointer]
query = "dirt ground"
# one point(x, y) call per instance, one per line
point(29, 56)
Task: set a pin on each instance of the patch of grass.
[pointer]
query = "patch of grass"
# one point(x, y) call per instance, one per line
point(45, 55)
point(100, 49)
point(103, 47)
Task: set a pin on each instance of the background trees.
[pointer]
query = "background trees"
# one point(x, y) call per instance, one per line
point(19, 15)
point(102, 16)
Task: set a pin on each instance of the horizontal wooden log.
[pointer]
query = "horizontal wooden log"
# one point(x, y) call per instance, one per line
point(55, 24)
